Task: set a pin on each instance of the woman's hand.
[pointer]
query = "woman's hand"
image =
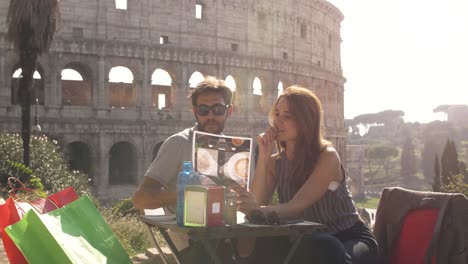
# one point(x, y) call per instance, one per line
point(246, 201)
point(266, 142)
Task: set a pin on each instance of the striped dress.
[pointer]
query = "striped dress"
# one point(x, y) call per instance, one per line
point(335, 209)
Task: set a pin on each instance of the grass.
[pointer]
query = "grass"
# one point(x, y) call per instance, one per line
point(368, 203)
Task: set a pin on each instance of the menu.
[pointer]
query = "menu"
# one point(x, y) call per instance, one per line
point(226, 160)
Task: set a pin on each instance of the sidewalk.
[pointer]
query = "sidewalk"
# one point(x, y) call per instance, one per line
point(3, 257)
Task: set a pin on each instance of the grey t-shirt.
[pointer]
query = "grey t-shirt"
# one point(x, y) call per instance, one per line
point(167, 165)
point(171, 156)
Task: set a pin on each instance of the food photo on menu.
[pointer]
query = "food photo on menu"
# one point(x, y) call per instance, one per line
point(226, 160)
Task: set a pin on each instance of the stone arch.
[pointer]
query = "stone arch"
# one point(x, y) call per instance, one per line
point(280, 88)
point(257, 94)
point(38, 85)
point(171, 68)
point(78, 155)
point(195, 78)
point(75, 91)
point(122, 92)
point(231, 83)
point(286, 79)
point(122, 163)
point(161, 89)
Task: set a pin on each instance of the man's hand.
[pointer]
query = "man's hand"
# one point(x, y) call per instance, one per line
point(151, 195)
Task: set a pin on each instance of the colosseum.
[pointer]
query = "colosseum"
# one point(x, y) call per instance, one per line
point(114, 83)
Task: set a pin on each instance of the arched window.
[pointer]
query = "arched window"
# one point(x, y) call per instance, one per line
point(257, 86)
point(161, 77)
point(38, 87)
point(257, 95)
point(122, 163)
point(75, 90)
point(18, 72)
point(280, 88)
point(161, 83)
point(71, 75)
point(120, 74)
point(121, 4)
point(79, 157)
point(231, 83)
point(121, 92)
point(195, 79)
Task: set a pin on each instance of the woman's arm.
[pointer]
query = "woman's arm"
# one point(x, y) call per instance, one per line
point(327, 169)
point(262, 188)
point(264, 182)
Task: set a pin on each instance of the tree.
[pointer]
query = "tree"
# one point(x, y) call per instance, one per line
point(352, 127)
point(379, 156)
point(457, 186)
point(436, 183)
point(31, 27)
point(449, 162)
point(463, 170)
point(434, 135)
point(408, 160)
point(366, 120)
point(441, 108)
point(391, 117)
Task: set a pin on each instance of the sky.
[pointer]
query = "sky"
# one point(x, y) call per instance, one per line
point(408, 55)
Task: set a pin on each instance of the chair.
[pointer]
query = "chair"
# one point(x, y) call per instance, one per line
point(156, 212)
point(422, 227)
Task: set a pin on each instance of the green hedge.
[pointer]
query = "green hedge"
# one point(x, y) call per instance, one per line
point(47, 164)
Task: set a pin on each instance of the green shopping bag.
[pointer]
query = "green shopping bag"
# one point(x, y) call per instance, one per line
point(75, 233)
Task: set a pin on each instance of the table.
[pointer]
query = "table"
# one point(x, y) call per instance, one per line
point(209, 236)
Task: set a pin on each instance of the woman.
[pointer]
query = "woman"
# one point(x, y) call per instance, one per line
point(311, 185)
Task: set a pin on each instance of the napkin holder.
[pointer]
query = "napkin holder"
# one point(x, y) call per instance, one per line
point(203, 205)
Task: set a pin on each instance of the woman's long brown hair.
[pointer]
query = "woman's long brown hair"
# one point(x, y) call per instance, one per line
point(307, 111)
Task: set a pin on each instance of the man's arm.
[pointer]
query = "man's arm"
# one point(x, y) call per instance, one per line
point(153, 191)
point(151, 195)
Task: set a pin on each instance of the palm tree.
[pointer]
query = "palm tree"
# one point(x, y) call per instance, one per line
point(31, 27)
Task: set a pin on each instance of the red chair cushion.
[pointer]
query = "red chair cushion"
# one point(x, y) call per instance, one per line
point(415, 236)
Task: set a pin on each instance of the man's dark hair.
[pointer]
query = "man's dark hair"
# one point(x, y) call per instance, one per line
point(211, 85)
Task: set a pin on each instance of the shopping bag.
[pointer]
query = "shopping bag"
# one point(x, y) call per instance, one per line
point(13, 210)
point(75, 233)
point(63, 197)
point(9, 215)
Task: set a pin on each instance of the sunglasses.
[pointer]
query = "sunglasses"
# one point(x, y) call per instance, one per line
point(217, 109)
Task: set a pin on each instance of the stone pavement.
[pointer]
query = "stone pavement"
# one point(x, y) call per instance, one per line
point(152, 256)
point(3, 257)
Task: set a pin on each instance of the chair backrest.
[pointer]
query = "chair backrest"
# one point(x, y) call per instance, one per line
point(409, 224)
point(415, 236)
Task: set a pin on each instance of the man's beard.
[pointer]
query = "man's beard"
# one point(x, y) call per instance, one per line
point(202, 126)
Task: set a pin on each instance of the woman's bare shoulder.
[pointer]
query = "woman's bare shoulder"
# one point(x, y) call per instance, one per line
point(330, 154)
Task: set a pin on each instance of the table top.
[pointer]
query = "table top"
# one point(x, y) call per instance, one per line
point(233, 231)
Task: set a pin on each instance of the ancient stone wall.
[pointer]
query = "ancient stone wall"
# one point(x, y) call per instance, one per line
point(277, 42)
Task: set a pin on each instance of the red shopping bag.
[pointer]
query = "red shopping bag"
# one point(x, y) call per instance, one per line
point(9, 215)
point(64, 197)
point(12, 211)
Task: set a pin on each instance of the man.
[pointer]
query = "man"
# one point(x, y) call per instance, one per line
point(211, 106)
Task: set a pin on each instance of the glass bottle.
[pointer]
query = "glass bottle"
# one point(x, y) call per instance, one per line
point(230, 207)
